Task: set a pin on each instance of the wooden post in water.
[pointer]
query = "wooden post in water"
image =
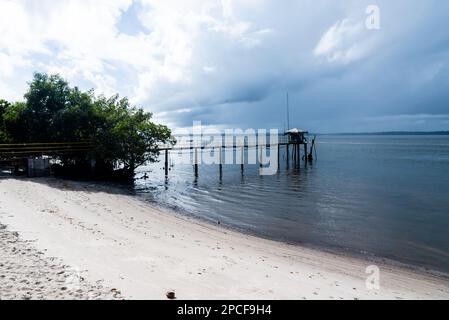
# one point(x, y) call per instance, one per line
point(299, 154)
point(295, 152)
point(166, 162)
point(305, 153)
point(287, 155)
point(221, 160)
point(196, 162)
point(242, 158)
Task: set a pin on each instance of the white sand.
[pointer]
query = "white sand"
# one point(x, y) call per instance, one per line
point(27, 274)
point(143, 251)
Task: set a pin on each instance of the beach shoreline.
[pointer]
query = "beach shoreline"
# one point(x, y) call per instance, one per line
point(145, 251)
point(332, 250)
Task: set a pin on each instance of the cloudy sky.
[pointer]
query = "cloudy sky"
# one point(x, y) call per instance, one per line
point(230, 63)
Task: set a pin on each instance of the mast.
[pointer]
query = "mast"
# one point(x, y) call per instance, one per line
point(288, 114)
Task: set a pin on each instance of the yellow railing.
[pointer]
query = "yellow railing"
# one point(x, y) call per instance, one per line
point(13, 150)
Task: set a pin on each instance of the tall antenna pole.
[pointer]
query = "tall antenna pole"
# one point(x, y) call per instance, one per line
point(288, 114)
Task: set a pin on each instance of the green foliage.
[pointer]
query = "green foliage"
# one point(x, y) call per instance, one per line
point(127, 136)
point(124, 137)
point(15, 124)
point(4, 105)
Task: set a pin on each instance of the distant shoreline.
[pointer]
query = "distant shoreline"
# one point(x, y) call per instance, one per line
point(381, 133)
point(388, 133)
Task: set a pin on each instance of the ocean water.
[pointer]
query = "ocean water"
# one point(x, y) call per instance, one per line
point(386, 196)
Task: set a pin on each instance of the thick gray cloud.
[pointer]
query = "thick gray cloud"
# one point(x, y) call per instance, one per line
point(230, 63)
point(397, 78)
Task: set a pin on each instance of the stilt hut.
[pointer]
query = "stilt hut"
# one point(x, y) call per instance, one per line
point(296, 136)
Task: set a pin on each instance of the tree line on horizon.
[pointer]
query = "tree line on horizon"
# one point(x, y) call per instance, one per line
point(123, 137)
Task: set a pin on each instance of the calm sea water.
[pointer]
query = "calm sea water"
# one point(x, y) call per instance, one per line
point(386, 196)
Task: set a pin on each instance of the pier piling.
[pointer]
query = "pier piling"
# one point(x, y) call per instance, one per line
point(296, 155)
point(221, 161)
point(196, 162)
point(242, 158)
point(305, 153)
point(166, 162)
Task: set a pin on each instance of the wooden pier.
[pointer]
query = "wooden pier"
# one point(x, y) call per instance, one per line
point(296, 140)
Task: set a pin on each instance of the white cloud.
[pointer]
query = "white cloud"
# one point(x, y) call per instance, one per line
point(74, 38)
point(184, 47)
point(345, 42)
point(226, 56)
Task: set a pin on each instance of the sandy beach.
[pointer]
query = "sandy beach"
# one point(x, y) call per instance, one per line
point(28, 274)
point(122, 247)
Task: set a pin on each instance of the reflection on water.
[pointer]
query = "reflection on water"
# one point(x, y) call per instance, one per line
point(382, 195)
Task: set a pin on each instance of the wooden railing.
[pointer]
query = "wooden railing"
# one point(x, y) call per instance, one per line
point(205, 142)
point(23, 150)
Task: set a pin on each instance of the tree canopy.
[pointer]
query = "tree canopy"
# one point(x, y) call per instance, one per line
point(3, 106)
point(123, 136)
